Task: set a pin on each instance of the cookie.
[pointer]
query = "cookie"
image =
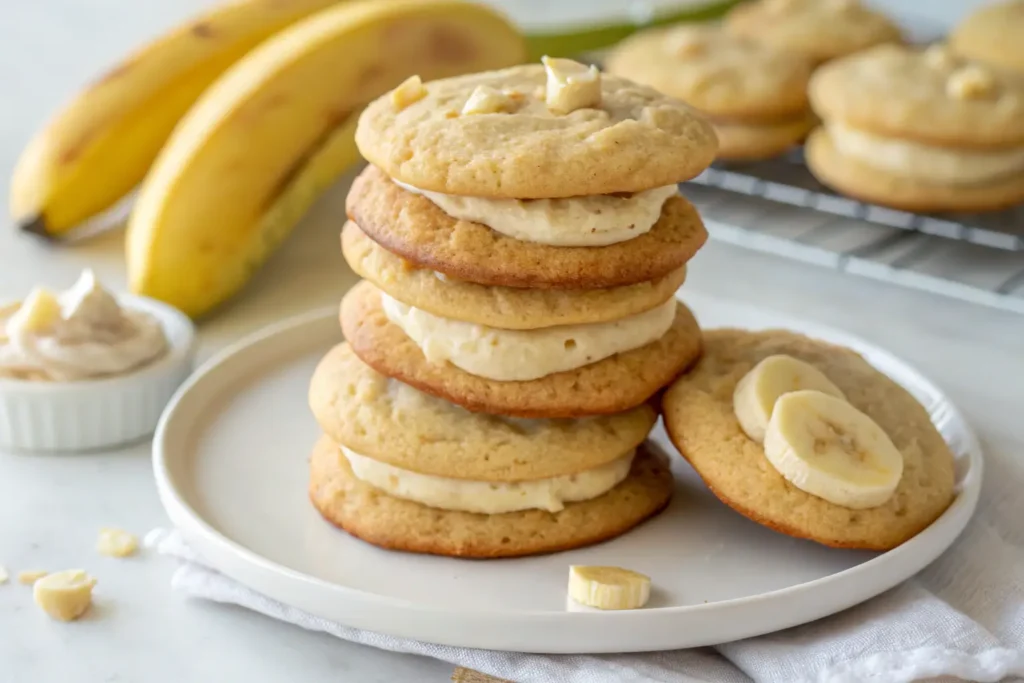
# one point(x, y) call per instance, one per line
point(636, 139)
point(609, 386)
point(698, 414)
point(924, 95)
point(394, 423)
point(746, 142)
point(818, 29)
point(415, 229)
point(724, 76)
point(868, 183)
point(397, 524)
point(504, 307)
point(992, 34)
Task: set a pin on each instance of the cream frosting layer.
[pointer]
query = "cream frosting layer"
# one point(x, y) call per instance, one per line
point(486, 497)
point(589, 221)
point(521, 355)
point(85, 334)
point(946, 165)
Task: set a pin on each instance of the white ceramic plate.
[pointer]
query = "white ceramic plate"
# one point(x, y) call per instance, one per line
point(231, 466)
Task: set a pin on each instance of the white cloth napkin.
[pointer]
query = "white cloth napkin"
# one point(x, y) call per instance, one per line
point(963, 617)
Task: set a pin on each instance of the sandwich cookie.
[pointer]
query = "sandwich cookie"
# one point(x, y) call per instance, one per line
point(413, 227)
point(755, 95)
point(555, 130)
point(992, 34)
point(408, 471)
point(396, 523)
point(810, 440)
point(921, 130)
point(509, 308)
point(817, 29)
point(564, 371)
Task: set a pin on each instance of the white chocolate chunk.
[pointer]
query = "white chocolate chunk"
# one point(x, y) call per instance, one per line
point(571, 85)
point(487, 100)
point(116, 543)
point(410, 91)
point(64, 595)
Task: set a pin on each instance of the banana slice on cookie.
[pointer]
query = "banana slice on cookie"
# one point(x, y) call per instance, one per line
point(758, 390)
point(823, 445)
point(608, 587)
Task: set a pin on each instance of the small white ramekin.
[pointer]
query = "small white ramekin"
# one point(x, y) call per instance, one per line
point(101, 413)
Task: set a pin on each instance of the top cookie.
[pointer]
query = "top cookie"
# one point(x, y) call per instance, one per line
point(924, 95)
point(819, 29)
point(723, 75)
point(634, 140)
point(993, 34)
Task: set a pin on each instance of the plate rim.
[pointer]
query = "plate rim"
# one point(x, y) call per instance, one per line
point(373, 610)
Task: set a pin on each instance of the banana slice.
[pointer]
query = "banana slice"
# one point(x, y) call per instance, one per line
point(823, 445)
point(758, 390)
point(608, 587)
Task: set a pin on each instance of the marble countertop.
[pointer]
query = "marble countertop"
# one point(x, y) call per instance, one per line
point(53, 506)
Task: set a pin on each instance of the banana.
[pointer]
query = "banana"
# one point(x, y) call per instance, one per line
point(608, 587)
point(235, 175)
point(98, 148)
point(823, 445)
point(758, 390)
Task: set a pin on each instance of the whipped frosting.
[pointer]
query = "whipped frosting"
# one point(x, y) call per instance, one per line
point(925, 162)
point(519, 355)
point(85, 335)
point(486, 497)
point(590, 221)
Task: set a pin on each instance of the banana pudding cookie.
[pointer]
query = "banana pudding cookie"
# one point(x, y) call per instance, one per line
point(536, 131)
point(993, 34)
point(818, 29)
point(808, 439)
point(414, 227)
point(921, 130)
point(755, 95)
point(404, 470)
point(510, 308)
point(563, 371)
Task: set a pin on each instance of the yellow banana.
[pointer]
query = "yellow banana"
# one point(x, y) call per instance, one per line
point(250, 156)
point(102, 143)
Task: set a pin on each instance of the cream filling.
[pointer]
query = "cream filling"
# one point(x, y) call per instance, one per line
point(590, 221)
point(519, 355)
point(486, 497)
point(925, 162)
point(91, 336)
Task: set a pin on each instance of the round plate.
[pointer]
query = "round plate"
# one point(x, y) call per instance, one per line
point(231, 466)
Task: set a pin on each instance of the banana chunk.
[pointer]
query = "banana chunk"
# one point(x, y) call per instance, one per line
point(65, 595)
point(571, 85)
point(758, 390)
point(823, 445)
point(40, 310)
point(608, 587)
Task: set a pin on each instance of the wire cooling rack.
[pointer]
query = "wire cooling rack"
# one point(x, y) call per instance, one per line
point(778, 207)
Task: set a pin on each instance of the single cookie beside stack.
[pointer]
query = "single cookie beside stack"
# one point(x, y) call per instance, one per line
point(993, 34)
point(754, 94)
point(921, 130)
point(521, 237)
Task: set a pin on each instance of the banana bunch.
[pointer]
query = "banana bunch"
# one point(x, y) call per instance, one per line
point(232, 125)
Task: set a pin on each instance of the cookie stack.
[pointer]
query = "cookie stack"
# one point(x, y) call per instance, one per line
point(521, 237)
